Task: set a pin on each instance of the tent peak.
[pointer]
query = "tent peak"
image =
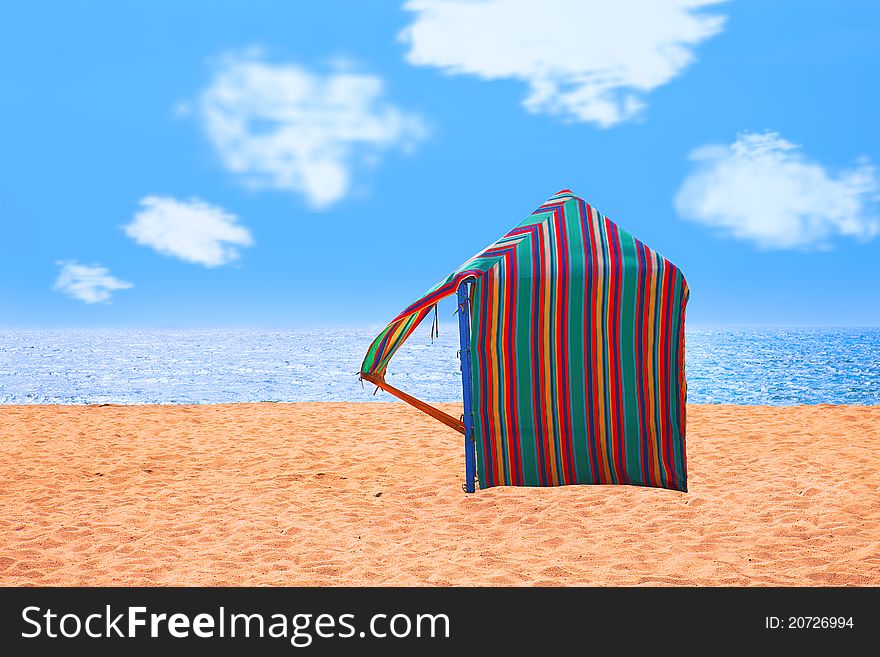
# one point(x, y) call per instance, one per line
point(561, 195)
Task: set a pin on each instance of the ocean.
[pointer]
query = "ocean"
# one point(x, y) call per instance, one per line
point(773, 366)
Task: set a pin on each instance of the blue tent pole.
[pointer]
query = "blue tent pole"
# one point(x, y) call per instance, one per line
point(464, 334)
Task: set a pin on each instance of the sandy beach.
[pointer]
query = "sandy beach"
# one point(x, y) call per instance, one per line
point(370, 494)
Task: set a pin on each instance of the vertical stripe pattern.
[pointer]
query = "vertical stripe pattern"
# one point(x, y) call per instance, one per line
point(577, 353)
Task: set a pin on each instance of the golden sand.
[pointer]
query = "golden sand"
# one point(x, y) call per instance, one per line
point(370, 494)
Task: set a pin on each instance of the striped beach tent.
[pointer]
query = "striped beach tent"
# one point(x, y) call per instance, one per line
point(572, 336)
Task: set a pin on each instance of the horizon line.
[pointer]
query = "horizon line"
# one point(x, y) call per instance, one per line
point(449, 325)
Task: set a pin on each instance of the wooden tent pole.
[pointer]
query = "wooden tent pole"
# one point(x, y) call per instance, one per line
point(436, 413)
point(464, 335)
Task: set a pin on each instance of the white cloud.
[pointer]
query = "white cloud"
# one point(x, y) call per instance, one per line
point(89, 283)
point(588, 60)
point(190, 230)
point(284, 127)
point(761, 188)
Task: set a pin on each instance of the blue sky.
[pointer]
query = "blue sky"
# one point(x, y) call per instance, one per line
point(280, 164)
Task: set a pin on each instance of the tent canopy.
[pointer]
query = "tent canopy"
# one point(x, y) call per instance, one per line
point(576, 353)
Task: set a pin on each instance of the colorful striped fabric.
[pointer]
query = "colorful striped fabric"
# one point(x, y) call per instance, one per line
point(577, 353)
